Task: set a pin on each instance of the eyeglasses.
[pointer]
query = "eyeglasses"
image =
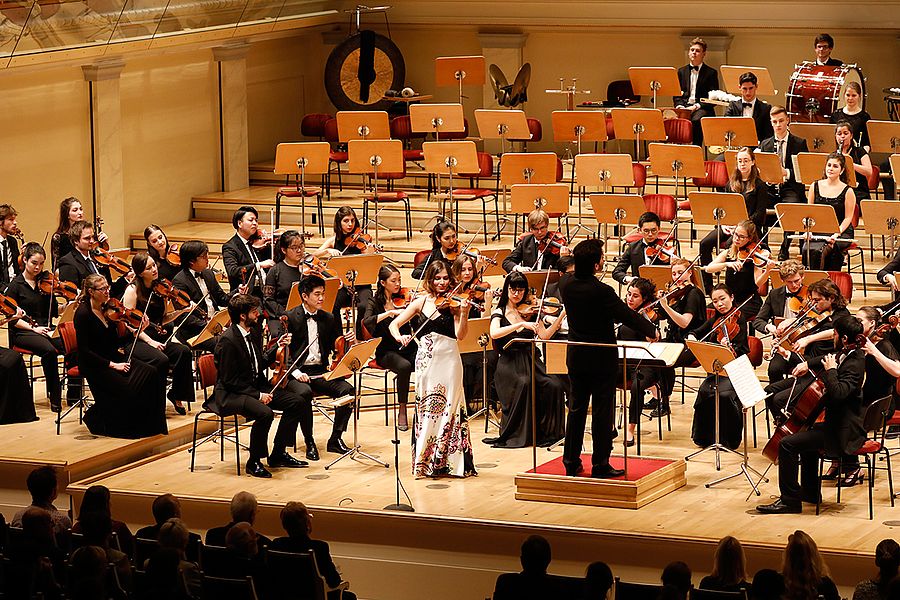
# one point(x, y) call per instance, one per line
point(104, 288)
point(296, 248)
point(740, 236)
point(650, 231)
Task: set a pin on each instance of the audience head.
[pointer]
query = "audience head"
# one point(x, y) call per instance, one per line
point(174, 534)
point(296, 519)
point(587, 255)
point(598, 580)
point(243, 507)
point(678, 576)
point(88, 574)
point(241, 539)
point(37, 526)
point(887, 559)
point(729, 562)
point(768, 584)
point(803, 566)
point(42, 484)
point(535, 556)
point(96, 527)
point(96, 499)
point(165, 507)
point(162, 572)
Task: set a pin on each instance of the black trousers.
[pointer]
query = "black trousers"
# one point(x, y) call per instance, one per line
point(49, 351)
point(596, 389)
point(799, 453)
point(401, 364)
point(640, 380)
point(708, 249)
point(780, 367)
point(288, 399)
point(174, 356)
point(343, 300)
point(333, 389)
point(785, 194)
point(696, 128)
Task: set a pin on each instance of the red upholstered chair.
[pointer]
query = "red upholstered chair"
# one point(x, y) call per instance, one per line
point(536, 130)
point(610, 129)
point(70, 349)
point(844, 282)
point(639, 172)
point(206, 367)
point(459, 135)
point(716, 176)
point(295, 191)
point(663, 205)
point(388, 196)
point(475, 192)
point(401, 129)
point(28, 355)
point(337, 156)
point(420, 257)
point(855, 248)
point(874, 180)
point(313, 125)
point(679, 131)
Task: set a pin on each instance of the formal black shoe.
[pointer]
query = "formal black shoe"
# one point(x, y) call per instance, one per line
point(181, 410)
point(56, 406)
point(651, 404)
point(660, 412)
point(852, 478)
point(607, 473)
point(255, 468)
point(779, 508)
point(283, 459)
point(312, 452)
point(337, 446)
point(831, 474)
point(490, 441)
point(575, 472)
point(629, 443)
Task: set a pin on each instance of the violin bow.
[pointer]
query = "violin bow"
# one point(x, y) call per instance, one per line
point(761, 240)
point(184, 319)
point(676, 280)
point(724, 319)
point(140, 327)
point(665, 240)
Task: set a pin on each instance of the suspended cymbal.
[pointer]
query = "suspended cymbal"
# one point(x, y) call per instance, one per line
point(499, 84)
point(518, 94)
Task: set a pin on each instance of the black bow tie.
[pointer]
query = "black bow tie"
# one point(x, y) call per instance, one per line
point(747, 104)
point(198, 274)
point(317, 316)
point(693, 68)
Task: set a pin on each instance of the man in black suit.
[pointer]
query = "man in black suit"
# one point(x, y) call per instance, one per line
point(241, 387)
point(824, 44)
point(243, 510)
point(244, 264)
point(9, 248)
point(841, 433)
point(697, 80)
point(777, 306)
point(635, 253)
point(786, 145)
point(313, 336)
point(751, 106)
point(78, 264)
point(526, 256)
point(593, 308)
point(200, 283)
point(297, 523)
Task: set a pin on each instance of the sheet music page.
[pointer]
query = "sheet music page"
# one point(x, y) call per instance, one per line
point(796, 160)
point(639, 353)
point(744, 381)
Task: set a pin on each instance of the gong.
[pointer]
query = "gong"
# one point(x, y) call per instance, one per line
point(361, 69)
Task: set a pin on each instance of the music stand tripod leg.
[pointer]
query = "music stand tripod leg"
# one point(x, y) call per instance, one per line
point(356, 450)
point(745, 468)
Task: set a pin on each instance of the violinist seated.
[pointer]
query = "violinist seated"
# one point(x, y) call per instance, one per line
point(348, 240)
point(9, 248)
point(779, 312)
point(291, 264)
point(388, 302)
point(811, 334)
point(443, 242)
point(683, 305)
point(315, 334)
point(746, 264)
point(79, 263)
point(539, 249)
point(167, 256)
point(242, 388)
point(645, 251)
point(727, 328)
point(639, 296)
point(841, 370)
point(156, 346)
point(745, 180)
point(33, 333)
point(199, 282)
point(247, 254)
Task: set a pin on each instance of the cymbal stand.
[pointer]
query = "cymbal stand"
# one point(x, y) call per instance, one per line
point(485, 410)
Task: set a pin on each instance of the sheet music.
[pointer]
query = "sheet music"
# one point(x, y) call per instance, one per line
point(795, 159)
point(745, 382)
point(640, 353)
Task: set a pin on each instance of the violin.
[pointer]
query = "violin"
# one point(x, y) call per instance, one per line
point(98, 229)
point(727, 327)
point(797, 301)
point(879, 332)
point(172, 255)
point(403, 297)
point(552, 243)
point(115, 311)
point(180, 299)
point(341, 345)
point(312, 265)
point(104, 258)
point(48, 283)
point(760, 260)
point(454, 253)
point(260, 239)
point(359, 240)
point(661, 252)
point(9, 308)
point(282, 358)
point(651, 313)
point(547, 306)
point(454, 300)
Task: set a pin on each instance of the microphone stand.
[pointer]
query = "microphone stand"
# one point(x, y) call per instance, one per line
point(399, 506)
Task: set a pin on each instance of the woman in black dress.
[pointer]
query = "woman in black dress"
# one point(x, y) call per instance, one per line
point(129, 397)
point(158, 248)
point(859, 158)
point(33, 334)
point(854, 114)
point(155, 346)
point(345, 223)
point(743, 273)
point(376, 319)
point(511, 320)
point(286, 272)
point(16, 399)
point(443, 241)
point(834, 191)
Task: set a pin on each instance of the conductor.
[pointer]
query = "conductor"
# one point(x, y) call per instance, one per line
point(593, 307)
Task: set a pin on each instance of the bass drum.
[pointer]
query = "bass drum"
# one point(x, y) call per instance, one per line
point(815, 92)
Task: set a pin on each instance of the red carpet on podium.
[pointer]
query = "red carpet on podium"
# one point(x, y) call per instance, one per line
point(638, 467)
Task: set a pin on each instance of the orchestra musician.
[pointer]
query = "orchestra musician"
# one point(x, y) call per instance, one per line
point(9, 248)
point(592, 309)
point(786, 145)
point(286, 272)
point(346, 227)
point(833, 191)
point(247, 254)
point(129, 395)
point(639, 252)
point(862, 164)
point(697, 80)
point(443, 241)
point(745, 180)
point(70, 211)
point(442, 445)
point(853, 113)
point(784, 302)
point(728, 329)
point(641, 292)
point(527, 255)
point(751, 106)
point(886, 275)
point(823, 45)
point(167, 259)
point(200, 283)
point(246, 392)
point(16, 397)
point(515, 318)
point(154, 346)
point(34, 334)
point(79, 263)
point(388, 302)
point(743, 272)
point(842, 431)
point(313, 336)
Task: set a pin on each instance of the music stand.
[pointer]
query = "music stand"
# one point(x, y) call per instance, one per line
point(552, 198)
point(298, 159)
point(809, 167)
point(884, 137)
point(502, 125)
point(712, 358)
point(819, 136)
point(894, 161)
point(363, 125)
point(617, 208)
point(677, 161)
point(882, 217)
point(356, 269)
point(578, 126)
point(731, 75)
point(436, 118)
point(638, 124)
point(808, 218)
point(526, 167)
point(374, 156)
point(655, 81)
point(498, 256)
point(217, 323)
point(661, 275)
point(332, 285)
point(459, 71)
point(539, 280)
point(733, 131)
point(356, 357)
point(449, 158)
point(478, 339)
point(68, 314)
point(716, 209)
point(768, 163)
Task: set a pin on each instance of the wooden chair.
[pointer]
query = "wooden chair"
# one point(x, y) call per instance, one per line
point(207, 368)
point(388, 196)
point(70, 346)
point(338, 155)
point(475, 192)
point(313, 125)
point(844, 282)
point(679, 131)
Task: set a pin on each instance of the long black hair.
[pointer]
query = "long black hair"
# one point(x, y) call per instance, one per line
point(384, 274)
point(516, 281)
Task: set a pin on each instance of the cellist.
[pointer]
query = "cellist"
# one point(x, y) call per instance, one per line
point(841, 433)
point(313, 336)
